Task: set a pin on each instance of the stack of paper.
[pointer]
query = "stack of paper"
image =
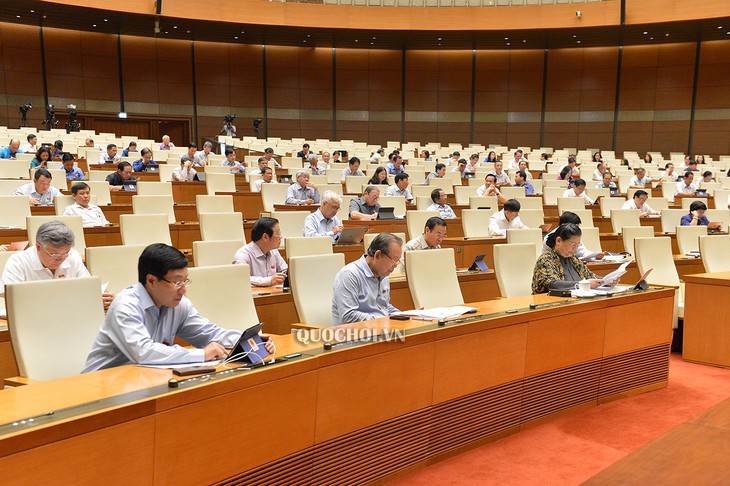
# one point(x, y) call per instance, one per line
point(439, 312)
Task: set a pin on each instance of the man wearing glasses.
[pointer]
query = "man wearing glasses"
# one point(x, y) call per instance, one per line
point(433, 234)
point(324, 222)
point(51, 257)
point(639, 202)
point(268, 268)
point(145, 318)
point(362, 288)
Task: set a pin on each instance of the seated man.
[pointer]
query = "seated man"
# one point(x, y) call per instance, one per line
point(200, 159)
point(145, 318)
point(39, 192)
point(91, 214)
point(51, 257)
point(302, 191)
point(598, 174)
point(72, 173)
point(507, 218)
point(362, 288)
point(262, 255)
point(696, 216)
point(184, 173)
point(110, 156)
point(640, 180)
point(434, 233)
point(166, 143)
point(366, 208)
point(141, 164)
point(438, 199)
point(489, 188)
point(582, 253)
point(267, 177)
point(304, 153)
point(122, 176)
point(400, 188)
point(607, 182)
point(380, 153)
point(521, 181)
point(707, 176)
point(192, 150)
point(500, 176)
point(460, 168)
point(669, 172)
point(314, 168)
point(270, 160)
point(324, 222)
point(396, 166)
point(639, 202)
point(31, 146)
point(12, 150)
point(262, 163)
point(685, 188)
point(473, 164)
point(235, 166)
point(579, 190)
point(132, 148)
point(353, 168)
point(438, 171)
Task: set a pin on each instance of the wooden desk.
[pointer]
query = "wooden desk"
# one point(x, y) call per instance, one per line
point(454, 227)
point(247, 203)
point(706, 318)
point(329, 413)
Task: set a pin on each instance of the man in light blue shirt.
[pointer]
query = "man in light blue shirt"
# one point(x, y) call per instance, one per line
point(324, 222)
point(521, 181)
point(396, 166)
point(72, 173)
point(361, 288)
point(302, 191)
point(145, 318)
point(400, 188)
point(438, 196)
point(40, 192)
point(12, 150)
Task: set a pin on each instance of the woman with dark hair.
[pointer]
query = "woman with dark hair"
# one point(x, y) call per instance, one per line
point(57, 148)
point(597, 157)
point(558, 268)
point(696, 216)
point(491, 157)
point(41, 158)
point(648, 158)
point(700, 159)
point(566, 175)
point(380, 177)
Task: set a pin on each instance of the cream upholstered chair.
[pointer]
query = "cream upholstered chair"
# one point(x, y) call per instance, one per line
point(291, 223)
point(423, 202)
point(420, 190)
point(73, 222)
point(14, 169)
point(432, 278)
point(369, 237)
point(154, 205)
point(49, 352)
point(512, 192)
point(624, 217)
point(609, 203)
point(475, 222)
point(591, 239)
point(670, 219)
point(211, 253)
point(396, 202)
point(8, 187)
point(223, 295)
point(273, 194)
point(532, 218)
point(585, 215)
point(353, 184)
point(531, 235)
point(463, 193)
point(213, 204)
point(4, 255)
point(416, 221)
point(476, 202)
point(714, 251)
point(688, 238)
point(445, 183)
point(303, 246)
point(100, 189)
point(215, 183)
point(13, 211)
point(570, 204)
point(166, 170)
point(630, 233)
point(514, 264)
point(720, 216)
point(550, 195)
point(529, 202)
point(344, 211)
point(99, 175)
point(144, 229)
point(114, 264)
point(154, 188)
point(62, 202)
point(687, 202)
point(221, 226)
point(656, 253)
point(314, 302)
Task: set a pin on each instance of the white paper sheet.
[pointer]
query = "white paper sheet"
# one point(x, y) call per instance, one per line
point(439, 312)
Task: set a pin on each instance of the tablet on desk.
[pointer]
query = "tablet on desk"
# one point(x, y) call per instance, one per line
point(250, 347)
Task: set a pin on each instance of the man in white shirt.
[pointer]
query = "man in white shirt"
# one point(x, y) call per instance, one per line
point(639, 202)
point(267, 266)
point(507, 218)
point(262, 162)
point(39, 192)
point(400, 188)
point(267, 177)
point(579, 190)
point(669, 172)
point(572, 163)
point(110, 156)
point(324, 222)
point(685, 188)
point(598, 173)
point(184, 173)
point(489, 188)
point(514, 163)
point(639, 181)
point(439, 197)
point(235, 166)
point(501, 177)
point(91, 214)
point(472, 164)
point(314, 167)
point(434, 233)
point(51, 257)
point(302, 191)
point(32, 146)
point(380, 153)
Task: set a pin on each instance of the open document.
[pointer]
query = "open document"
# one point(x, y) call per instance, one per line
point(440, 312)
point(615, 275)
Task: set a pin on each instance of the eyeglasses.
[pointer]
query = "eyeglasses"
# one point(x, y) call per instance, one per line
point(391, 258)
point(56, 256)
point(179, 284)
point(572, 244)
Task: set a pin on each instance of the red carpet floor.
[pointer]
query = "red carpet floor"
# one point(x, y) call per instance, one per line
point(570, 450)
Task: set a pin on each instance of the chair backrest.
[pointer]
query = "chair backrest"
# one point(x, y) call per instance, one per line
point(670, 219)
point(396, 202)
point(61, 202)
point(211, 253)
point(221, 227)
point(73, 222)
point(291, 223)
point(719, 215)
point(369, 237)
point(154, 188)
point(213, 204)
point(223, 295)
point(14, 169)
point(608, 203)
point(668, 189)
point(476, 202)
point(570, 204)
point(416, 221)
point(432, 278)
point(314, 302)
point(353, 184)
point(100, 189)
point(715, 256)
point(419, 190)
point(687, 201)
point(624, 217)
point(114, 264)
point(273, 194)
point(630, 233)
point(532, 218)
point(514, 264)
point(4, 255)
point(220, 183)
point(304, 246)
point(512, 192)
point(530, 202)
point(59, 350)
point(585, 215)
point(144, 229)
point(531, 235)
point(166, 170)
point(656, 253)
point(463, 193)
point(13, 211)
point(551, 194)
point(154, 205)
point(688, 238)
point(591, 239)
point(475, 222)
point(445, 183)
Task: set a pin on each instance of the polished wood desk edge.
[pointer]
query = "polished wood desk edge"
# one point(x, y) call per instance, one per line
point(718, 278)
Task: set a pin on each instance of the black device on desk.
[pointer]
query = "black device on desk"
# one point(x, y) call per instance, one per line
point(285, 179)
point(152, 168)
point(129, 186)
point(200, 176)
point(250, 346)
point(479, 264)
point(386, 213)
